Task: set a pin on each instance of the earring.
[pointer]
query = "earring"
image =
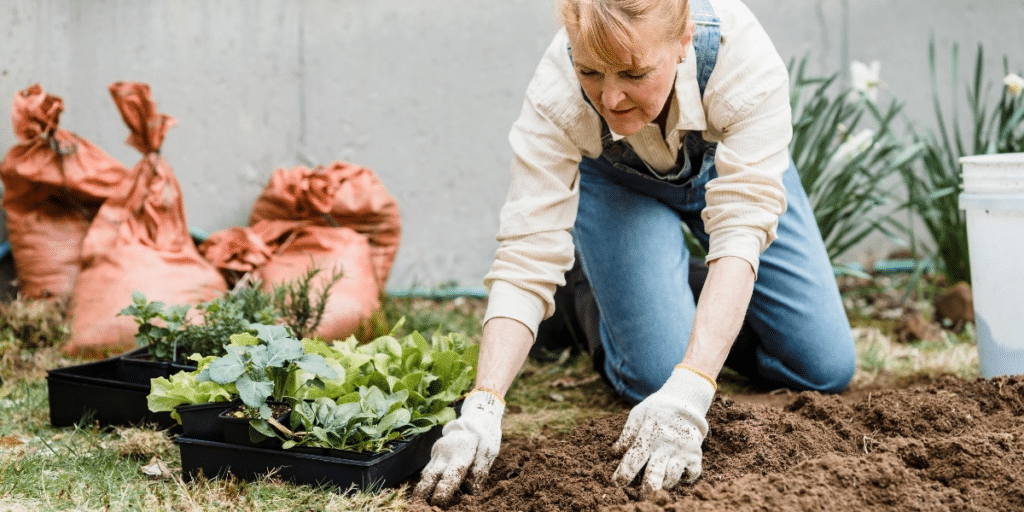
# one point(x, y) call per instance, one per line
point(682, 59)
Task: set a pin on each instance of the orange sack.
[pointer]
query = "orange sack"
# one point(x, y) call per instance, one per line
point(139, 243)
point(338, 195)
point(277, 252)
point(54, 183)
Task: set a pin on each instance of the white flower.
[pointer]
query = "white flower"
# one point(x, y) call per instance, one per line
point(1014, 84)
point(853, 147)
point(864, 77)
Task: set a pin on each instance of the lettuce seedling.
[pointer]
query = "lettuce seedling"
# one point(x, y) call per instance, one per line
point(184, 388)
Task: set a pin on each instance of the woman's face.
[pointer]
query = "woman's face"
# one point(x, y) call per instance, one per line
point(630, 96)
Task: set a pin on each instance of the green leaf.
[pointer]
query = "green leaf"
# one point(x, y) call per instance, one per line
point(263, 427)
point(447, 365)
point(244, 339)
point(395, 419)
point(282, 350)
point(317, 365)
point(229, 367)
point(254, 393)
point(388, 345)
point(372, 399)
point(269, 333)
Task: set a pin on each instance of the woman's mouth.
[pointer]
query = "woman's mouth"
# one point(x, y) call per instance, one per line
point(621, 112)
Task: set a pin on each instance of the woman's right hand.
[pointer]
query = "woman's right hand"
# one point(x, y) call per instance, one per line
point(466, 449)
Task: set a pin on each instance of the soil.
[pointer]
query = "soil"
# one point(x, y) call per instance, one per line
point(947, 445)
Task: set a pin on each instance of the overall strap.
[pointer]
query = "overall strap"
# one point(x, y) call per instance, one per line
point(707, 36)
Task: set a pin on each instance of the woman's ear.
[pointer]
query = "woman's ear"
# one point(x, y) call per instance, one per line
point(686, 39)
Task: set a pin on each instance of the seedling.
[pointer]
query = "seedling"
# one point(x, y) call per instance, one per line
point(261, 366)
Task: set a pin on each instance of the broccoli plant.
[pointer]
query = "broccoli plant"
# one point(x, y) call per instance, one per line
point(261, 366)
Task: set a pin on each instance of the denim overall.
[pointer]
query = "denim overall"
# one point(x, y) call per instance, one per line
point(632, 251)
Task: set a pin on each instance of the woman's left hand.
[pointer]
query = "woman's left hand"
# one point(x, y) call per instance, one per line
point(665, 432)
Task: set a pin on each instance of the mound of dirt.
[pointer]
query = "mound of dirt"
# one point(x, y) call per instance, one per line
point(948, 446)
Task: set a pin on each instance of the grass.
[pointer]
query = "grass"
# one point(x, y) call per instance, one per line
point(91, 468)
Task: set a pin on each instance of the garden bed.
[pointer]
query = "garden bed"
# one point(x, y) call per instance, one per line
point(948, 445)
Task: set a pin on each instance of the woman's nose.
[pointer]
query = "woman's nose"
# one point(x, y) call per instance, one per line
point(611, 95)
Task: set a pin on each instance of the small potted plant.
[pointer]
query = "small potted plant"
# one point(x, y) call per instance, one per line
point(260, 368)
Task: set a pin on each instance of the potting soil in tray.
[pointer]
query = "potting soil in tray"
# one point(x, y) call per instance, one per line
point(387, 469)
point(101, 392)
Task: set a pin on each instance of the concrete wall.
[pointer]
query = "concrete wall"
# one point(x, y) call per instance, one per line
point(422, 91)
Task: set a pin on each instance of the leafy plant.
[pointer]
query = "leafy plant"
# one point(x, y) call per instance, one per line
point(934, 194)
point(260, 367)
point(847, 168)
point(363, 425)
point(346, 394)
point(186, 388)
point(171, 335)
point(390, 389)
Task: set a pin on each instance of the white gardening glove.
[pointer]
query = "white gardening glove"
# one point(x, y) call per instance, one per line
point(468, 444)
point(665, 432)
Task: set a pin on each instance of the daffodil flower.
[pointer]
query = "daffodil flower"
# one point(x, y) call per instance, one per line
point(865, 78)
point(1014, 84)
point(853, 147)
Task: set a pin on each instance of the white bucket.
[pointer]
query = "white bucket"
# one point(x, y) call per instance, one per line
point(993, 201)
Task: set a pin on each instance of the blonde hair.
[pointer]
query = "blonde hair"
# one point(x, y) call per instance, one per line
point(607, 25)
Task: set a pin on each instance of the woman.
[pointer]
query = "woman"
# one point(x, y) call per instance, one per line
point(642, 115)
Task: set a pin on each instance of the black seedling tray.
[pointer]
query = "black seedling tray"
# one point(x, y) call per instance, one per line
point(237, 430)
point(387, 469)
point(201, 421)
point(139, 367)
point(101, 391)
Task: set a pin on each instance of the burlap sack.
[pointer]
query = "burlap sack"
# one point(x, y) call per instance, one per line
point(338, 195)
point(54, 183)
point(141, 243)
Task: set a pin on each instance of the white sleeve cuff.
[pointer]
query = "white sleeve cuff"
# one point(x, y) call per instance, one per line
point(509, 301)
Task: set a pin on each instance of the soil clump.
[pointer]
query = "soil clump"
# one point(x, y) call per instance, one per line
point(950, 445)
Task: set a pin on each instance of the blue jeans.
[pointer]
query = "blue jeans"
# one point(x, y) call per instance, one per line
point(631, 246)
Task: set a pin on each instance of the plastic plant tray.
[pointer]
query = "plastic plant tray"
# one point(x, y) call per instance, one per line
point(202, 421)
point(139, 367)
point(101, 392)
point(236, 430)
point(387, 469)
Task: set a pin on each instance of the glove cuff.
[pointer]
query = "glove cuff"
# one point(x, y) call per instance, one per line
point(693, 387)
point(698, 372)
point(483, 401)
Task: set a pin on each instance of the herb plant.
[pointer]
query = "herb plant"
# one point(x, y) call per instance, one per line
point(172, 335)
point(301, 309)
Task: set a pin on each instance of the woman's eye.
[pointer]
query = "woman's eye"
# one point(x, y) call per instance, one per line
point(636, 76)
point(588, 72)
